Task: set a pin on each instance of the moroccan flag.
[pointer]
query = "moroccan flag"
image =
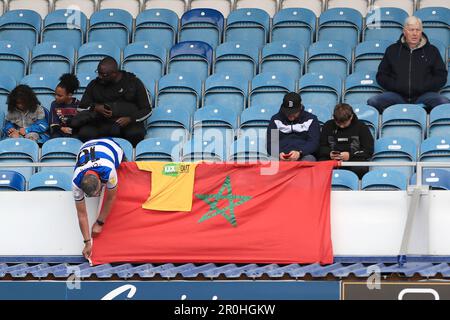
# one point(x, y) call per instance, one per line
point(240, 214)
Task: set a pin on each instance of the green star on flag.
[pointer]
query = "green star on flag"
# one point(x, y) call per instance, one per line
point(214, 210)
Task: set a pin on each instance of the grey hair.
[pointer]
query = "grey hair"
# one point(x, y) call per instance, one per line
point(413, 20)
point(89, 184)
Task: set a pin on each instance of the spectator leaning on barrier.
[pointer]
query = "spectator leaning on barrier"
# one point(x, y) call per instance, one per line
point(346, 138)
point(298, 131)
point(96, 166)
point(25, 117)
point(118, 105)
point(64, 107)
point(412, 71)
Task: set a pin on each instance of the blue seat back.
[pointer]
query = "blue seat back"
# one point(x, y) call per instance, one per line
point(126, 146)
point(384, 24)
point(169, 122)
point(369, 115)
point(437, 179)
point(237, 57)
point(435, 21)
point(202, 25)
point(14, 57)
point(12, 181)
point(254, 121)
point(268, 89)
point(158, 149)
point(111, 25)
point(19, 150)
point(284, 57)
point(146, 59)
point(331, 57)
point(55, 56)
point(226, 91)
point(344, 180)
point(215, 121)
point(158, 26)
point(205, 148)
point(320, 89)
point(85, 79)
point(191, 57)
point(67, 24)
point(323, 113)
point(248, 149)
point(368, 55)
point(43, 86)
point(439, 121)
point(23, 26)
point(248, 25)
point(384, 180)
point(294, 24)
point(50, 181)
point(435, 149)
point(90, 54)
point(343, 24)
point(7, 84)
point(360, 86)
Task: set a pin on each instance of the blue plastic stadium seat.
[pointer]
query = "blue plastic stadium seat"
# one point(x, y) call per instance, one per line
point(23, 26)
point(344, 180)
point(202, 25)
point(14, 57)
point(381, 180)
point(435, 149)
point(50, 181)
point(320, 89)
point(43, 86)
point(268, 89)
point(7, 84)
point(85, 79)
point(227, 91)
point(440, 46)
point(158, 149)
point(384, 24)
point(157, 26)
point(437, 179)
point(60, 150)
point(333, 57)
point(90, 54)
point(369, 115)
point(294, 24)
point(435, 21)
point(283, 57)
point(360, 86)
point(210, 149)
point(446, 89)
point(254, 121)
point(182, 90)
point(55, 56)
point(342, 24)
point(323, 113)
point(248, 25)
point(237, 57)
point(169, 123)
point(12, 181)
point(19, 151)
point(146, 59)
point(248, 149)
point(439, 121)
point(67, 24)
point(216, 122)
point(368, 55)
point(191, 57)
point(111, 25)
point(395, 149)
point(126, 146)
point(404, 120)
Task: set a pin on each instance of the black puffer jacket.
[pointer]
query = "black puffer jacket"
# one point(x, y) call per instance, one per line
point(412, 73)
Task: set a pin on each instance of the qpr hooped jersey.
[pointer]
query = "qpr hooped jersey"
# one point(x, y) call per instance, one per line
point(100, 155)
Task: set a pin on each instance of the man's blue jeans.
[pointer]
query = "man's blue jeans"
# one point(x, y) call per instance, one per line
point(386, 99)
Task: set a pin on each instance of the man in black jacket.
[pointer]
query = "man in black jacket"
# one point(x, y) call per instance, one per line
point(295, 132)
point(118, 105)
point(346, 138)
point(412, 71)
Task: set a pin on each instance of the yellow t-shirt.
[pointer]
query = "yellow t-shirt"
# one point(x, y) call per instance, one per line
point(172, 185)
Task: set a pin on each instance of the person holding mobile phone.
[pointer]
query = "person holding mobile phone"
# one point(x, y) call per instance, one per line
point(345, 138)
point(293, 133)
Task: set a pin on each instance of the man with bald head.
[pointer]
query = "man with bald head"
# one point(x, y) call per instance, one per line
point(412, 71)
point(118, 105)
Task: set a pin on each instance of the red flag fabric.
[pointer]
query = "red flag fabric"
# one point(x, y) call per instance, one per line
point(239, 215)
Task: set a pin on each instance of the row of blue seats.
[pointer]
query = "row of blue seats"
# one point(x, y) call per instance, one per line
point(211, 146)
point(152, 61)
point(342, 180)
point(252, 25)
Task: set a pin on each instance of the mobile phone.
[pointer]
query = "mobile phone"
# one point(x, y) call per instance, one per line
point(336, 153)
